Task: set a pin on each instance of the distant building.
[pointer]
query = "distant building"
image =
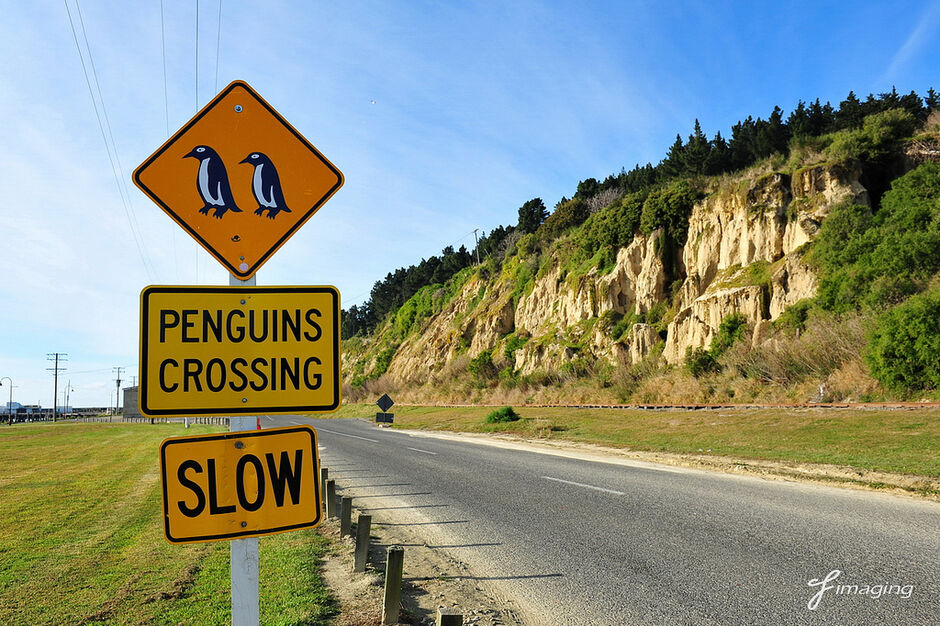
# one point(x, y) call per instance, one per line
point(130, 403)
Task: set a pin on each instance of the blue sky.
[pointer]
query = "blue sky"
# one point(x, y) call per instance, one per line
point(443, 116)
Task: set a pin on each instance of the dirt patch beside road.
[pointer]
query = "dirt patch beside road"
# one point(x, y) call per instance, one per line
point(433, 577)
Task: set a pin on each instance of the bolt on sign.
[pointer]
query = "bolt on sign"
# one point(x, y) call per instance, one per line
point(242, 484)
point(239, 350)
point(239, 178)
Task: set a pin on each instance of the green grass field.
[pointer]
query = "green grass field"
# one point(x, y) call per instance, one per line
point(81, 538)
point(897, 441)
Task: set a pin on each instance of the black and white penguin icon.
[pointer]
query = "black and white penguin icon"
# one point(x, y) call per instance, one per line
point(266, 185)
point(212, 182)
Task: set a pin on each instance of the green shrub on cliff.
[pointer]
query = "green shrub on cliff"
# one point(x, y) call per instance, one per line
point(878, 138)
point(904, 350)
point(872, 261)
point(669, 208)
point(566, 215)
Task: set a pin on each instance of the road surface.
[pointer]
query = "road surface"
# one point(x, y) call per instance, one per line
point(577, 541)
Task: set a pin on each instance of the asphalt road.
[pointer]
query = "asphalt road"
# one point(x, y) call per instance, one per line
point(587, 542)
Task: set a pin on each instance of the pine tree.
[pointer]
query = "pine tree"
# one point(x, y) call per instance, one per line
point(674, 163)
point(798, 121)
point(719, 156)
point(742, 144)
point(531, 215)
point(819, 119)
point(587, 188)
point(696, 152)
point(772, 135)
point(914, 105)
point(932, 101)
point(890, 99)
point(850, 113)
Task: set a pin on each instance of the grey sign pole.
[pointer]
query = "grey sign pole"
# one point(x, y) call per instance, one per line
point(244, 552)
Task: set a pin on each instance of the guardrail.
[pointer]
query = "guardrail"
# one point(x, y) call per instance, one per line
point(117, 419)
point(697, 407)
point(217, 421)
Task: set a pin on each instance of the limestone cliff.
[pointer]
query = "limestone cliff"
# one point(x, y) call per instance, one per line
point(766, 220)
point(743, 254)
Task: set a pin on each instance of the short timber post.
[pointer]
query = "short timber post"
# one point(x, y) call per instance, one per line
point(393, 573)
point(363, 533)
point(331, 498)
point(324, 476)
point(449, 617)
point(345, 516)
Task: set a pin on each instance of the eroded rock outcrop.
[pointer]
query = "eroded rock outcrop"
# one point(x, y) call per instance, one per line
point(743, 254)
point(766, 221)
point(695, 326)
point(635, 284)
point(734, 227)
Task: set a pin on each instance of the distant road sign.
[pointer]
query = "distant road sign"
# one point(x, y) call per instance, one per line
point(384, 403)
point(242, 484)
point(239, 178)
point(239, 350)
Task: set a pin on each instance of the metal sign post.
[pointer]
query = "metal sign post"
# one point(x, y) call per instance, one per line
point(246, 609)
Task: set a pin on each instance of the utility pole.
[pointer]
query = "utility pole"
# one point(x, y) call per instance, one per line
point(117, 392)
point(68, 391)
point(10, 405)
point(55, 357)
point(477, 244)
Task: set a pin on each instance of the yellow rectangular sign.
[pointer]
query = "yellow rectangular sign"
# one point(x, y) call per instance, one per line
point(241, 484)
point(239, 350)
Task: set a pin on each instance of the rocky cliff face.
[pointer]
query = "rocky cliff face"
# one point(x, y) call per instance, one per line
point(764, 221)
point(634, 285)
point(742, 255)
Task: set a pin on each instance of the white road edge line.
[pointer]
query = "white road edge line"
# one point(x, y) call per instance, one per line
point(568, 482)
point(345, 435)
point(424, 451)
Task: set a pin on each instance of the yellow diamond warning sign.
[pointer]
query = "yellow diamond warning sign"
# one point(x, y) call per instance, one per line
point(239, 350)
point(241, 484)
point(239, 178)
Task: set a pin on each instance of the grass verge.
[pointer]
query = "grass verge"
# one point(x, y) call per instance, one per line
point(82, 537)
point(896, 441)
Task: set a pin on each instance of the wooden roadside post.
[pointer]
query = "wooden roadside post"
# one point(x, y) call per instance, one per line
point(345, 516)
point(449, 617)
point(324, 476)
point(393, 574)
point(363, 533)
point(331, 498)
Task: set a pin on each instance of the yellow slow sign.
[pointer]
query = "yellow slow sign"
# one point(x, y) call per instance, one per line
point(239, 350)
point(241, 484)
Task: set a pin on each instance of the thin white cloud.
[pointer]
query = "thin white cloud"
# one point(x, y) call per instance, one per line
point(921, 34)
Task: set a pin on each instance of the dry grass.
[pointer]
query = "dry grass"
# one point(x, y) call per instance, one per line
point(826, 345)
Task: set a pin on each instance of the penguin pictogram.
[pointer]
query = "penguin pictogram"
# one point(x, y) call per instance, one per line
point(212, 182)
point(266, 185)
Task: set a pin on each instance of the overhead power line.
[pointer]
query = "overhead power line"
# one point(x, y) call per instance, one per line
point(218, 42)
point(197, 55)
point(166, 97)
point(110, 147)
